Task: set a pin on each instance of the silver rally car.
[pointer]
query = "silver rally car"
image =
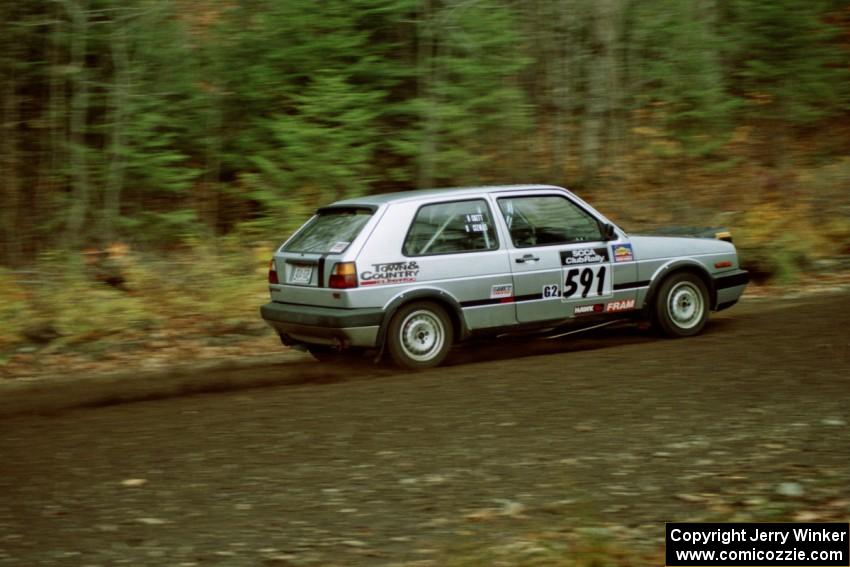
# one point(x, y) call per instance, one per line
point(413, 273)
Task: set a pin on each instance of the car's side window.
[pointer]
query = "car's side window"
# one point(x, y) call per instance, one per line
point(547, 220)
point(451, 228)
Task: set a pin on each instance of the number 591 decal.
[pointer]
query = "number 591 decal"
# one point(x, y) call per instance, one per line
point(586, 272)
point(589, 281)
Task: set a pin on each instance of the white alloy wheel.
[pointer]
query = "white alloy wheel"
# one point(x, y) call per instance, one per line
point(685, 305)
point(681, 305)
point(419, 335)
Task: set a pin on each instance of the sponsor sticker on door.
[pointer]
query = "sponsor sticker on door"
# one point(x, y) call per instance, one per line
point(623, 253)
point(501, 291)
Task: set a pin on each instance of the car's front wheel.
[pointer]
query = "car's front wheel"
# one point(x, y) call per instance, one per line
point(420, 335)
point(681, 306)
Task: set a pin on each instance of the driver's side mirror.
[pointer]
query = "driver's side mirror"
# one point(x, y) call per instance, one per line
point(608, 232)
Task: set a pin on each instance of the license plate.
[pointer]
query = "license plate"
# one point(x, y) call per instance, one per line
point(301, 274)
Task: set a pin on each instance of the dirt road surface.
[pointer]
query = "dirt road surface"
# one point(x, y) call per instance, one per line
point(618, 431)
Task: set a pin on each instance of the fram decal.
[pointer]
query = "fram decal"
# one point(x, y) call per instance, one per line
point(392, 272)
point(623, 253)
point(624, 305)
point(584, 256)
point(500, 291)
point(587, 309)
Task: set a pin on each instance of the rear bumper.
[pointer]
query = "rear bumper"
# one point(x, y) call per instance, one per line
point(729, 288)
point(323, 325)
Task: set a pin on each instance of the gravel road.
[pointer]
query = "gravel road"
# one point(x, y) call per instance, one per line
point(618, 431)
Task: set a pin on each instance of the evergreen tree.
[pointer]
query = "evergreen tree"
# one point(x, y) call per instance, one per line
point(676, 70)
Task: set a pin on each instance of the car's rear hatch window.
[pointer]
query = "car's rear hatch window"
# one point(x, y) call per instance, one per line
point(330, 231)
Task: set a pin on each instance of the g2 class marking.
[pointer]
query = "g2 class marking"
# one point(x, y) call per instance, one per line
point(550, 291)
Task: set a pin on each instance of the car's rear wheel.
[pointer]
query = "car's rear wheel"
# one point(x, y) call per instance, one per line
point(681, 306)
point(420, 335)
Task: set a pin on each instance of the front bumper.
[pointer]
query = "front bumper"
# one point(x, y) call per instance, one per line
point(729, 288)
point(324, 325)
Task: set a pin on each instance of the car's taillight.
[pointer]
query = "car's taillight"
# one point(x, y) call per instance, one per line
point(272, 272)
point(343, 275)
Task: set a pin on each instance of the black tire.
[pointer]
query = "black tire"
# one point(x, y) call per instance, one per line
point(681, 305)
point(419, 335)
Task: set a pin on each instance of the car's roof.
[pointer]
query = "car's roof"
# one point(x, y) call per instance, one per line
point(425, 193)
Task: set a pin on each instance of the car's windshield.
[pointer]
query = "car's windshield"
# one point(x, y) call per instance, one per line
point(330, 231)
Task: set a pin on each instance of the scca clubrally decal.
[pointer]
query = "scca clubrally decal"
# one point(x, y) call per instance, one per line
point(582, 256)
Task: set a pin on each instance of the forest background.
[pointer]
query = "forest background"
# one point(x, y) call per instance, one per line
point(154, 152)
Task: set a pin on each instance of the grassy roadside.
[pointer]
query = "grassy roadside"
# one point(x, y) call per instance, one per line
point(119, 306)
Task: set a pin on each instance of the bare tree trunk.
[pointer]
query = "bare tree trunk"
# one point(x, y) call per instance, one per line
point(601, 80)
point(58, 115)
point(213, 159)
point(78, 209)
point(119, 98)
point(11, 167)
point(563, 90)
point(426, 77)
point(591, 127)
point(610, 35)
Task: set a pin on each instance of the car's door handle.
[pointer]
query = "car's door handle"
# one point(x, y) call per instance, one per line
point(527, 258)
